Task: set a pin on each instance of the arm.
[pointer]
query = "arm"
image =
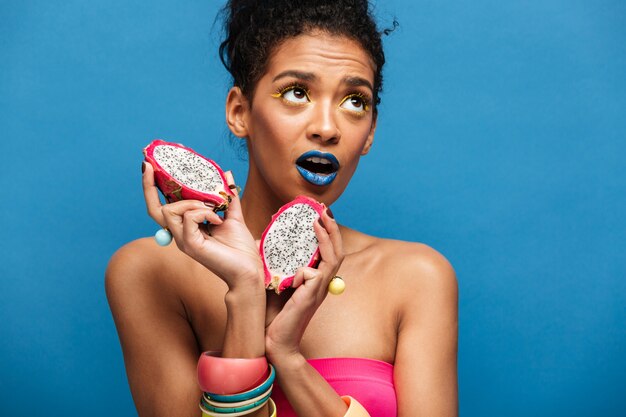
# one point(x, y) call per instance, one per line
point(426, 355)
point(426, 352)
point(159, 346)
point(226, 248)
point(307, 391)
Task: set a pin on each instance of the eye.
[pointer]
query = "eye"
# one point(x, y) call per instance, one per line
point(295, 94)
point(355, 102)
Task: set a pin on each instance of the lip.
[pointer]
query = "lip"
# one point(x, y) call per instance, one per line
point(314, 178)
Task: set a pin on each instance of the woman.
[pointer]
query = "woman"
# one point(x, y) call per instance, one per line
point(306, 76)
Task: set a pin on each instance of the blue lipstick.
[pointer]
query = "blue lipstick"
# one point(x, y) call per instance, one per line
point(318, 168)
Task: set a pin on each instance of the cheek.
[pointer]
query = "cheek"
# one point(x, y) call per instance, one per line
point(276, 141)
point(271, 142)
point(357, 134)
point(274, 128)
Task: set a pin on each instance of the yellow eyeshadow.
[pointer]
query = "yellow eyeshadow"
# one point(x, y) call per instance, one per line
point(280, 93)
point(364, 100)
point(354, 113)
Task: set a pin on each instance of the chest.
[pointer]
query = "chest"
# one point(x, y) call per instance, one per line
point(358, 323)
point(361, 322)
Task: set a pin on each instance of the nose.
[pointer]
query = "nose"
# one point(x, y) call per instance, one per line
point(323, 125)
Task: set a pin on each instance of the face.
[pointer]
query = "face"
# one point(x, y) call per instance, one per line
point(311, 117)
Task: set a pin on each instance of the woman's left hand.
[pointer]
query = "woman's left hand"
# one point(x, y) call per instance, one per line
point(287, 317)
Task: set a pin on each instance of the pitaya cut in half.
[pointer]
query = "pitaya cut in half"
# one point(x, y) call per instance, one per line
point(289, 242)
point(183, 174)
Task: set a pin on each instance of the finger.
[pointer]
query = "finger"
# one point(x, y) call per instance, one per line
point(311, 287)
point(327, 251)
point(334, 233)
point(173, 215)
point(309, 276)
point(298, 279)
point(230, 180)
point(194, 218)
point(191, 233)
point(151, 195)
point(234, 208)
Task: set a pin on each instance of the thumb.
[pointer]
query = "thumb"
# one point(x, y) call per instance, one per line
point(234, 208)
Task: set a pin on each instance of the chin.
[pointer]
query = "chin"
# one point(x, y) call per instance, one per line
point(287, 188)
point(326, 194)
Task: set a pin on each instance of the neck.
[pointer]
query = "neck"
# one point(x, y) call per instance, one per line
point(258, 203)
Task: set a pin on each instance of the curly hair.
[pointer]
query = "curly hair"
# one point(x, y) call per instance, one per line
point(253, 28)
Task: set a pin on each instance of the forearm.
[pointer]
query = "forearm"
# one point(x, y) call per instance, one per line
point(245, 324)
point(308, 392)
point(245, 328)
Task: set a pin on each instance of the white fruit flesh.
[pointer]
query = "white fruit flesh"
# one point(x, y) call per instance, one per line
point(290, 242)
point(188, 168)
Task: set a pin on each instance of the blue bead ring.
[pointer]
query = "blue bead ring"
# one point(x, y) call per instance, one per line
point(163, 237)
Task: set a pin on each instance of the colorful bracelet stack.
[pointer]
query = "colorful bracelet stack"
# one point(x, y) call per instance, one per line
point(234, 387)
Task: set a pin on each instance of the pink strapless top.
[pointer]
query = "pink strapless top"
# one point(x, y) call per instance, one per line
point(369, 381)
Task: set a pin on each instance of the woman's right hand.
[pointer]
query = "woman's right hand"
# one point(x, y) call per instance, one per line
point(224, 246)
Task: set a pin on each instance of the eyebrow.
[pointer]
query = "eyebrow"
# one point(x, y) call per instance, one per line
point(358, 82)
point(306, 76)
point(309, 76)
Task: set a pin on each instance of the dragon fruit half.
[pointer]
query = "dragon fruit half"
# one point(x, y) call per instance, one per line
point(182, 174)
point(289, 242)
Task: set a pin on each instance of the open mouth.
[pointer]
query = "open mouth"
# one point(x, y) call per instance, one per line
point(317, 167)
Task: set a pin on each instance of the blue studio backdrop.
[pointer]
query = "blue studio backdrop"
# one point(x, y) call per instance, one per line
point(501, 143)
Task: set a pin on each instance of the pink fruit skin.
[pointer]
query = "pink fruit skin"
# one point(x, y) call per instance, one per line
point(174, 190)
point(287, 281)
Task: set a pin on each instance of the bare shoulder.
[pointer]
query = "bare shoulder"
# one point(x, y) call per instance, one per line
point(423, 274)
point(417, 264)
point(425, 294)
point(137, 258)
point(416, 269)
point(146, 287)
point(133, 256)
point(142, 264)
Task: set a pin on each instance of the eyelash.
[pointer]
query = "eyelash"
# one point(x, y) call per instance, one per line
point(366, 100)
point(280, 92)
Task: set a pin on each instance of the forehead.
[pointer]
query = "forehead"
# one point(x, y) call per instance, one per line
point(324, 54)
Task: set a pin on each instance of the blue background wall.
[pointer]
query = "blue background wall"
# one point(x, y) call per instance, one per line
point(501, 143)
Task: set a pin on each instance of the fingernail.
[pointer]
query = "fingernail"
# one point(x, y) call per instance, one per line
point(143, 167)
point(330, 213)
point(209, 204)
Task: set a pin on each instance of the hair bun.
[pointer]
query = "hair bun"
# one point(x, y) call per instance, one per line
point(253, 28)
